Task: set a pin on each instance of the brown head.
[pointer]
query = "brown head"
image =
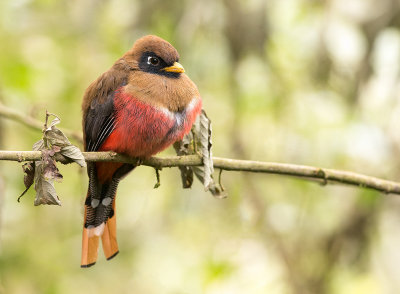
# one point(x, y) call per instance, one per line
point(156, 76)
point(154, 55)
point(150, 72)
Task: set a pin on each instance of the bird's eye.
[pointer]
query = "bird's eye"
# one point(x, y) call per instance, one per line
point(153, 60)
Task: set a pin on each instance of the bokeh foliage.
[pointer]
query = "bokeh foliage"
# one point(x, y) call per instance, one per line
point(302, 81)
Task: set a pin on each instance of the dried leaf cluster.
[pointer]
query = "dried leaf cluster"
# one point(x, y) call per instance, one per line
point(198, 141)
point(45, 172)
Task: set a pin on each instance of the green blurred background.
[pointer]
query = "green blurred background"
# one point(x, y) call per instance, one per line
point(302, 81)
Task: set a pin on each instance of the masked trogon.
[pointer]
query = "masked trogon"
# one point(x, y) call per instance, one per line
point(140, 106)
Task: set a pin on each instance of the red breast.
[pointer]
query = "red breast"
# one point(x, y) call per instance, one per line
point(142, 129)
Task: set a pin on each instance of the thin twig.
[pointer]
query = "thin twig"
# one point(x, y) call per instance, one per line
point(220, 180)
point(158, 183)
point(33, 123)
point(306, 172)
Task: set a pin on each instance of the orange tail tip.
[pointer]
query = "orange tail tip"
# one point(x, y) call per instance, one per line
point(91, 237)
point(109, 238)
point(90, 247)
point(90, 242)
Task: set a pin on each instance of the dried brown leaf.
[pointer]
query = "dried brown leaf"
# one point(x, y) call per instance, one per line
point(203, 139)
point(56, 137)
point(39, 145)
point(185, 147)
point(29, 172)
point(50, 170)
point(45, 191)
point(186, 176)
point(46, 172)
point(72, 152)
point(199, 141)
point(54, 122)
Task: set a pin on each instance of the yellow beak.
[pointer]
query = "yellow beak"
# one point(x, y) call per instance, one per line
point(176, 67)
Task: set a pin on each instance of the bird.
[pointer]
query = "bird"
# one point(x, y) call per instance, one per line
point(141, 105)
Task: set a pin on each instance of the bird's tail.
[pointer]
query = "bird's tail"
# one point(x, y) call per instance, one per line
point(90, 246)
point(100, 217)
point(107, 231)
point(109, 237)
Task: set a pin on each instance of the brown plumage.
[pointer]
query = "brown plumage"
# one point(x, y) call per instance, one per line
point(140, 106)
point(174, 93)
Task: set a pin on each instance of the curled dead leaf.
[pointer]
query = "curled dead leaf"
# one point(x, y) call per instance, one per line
point(199, 141)
point(29, 174)
point(45, 191)
point(72, 152)
point(46, 173)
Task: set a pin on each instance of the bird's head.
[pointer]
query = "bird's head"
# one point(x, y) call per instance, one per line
point(155, 75)
point(153, 55)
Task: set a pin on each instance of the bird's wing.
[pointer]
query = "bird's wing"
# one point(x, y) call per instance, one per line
point(99, 119)
point(100, 122)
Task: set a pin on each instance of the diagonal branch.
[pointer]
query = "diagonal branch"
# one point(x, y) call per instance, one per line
point(32, 122)
point(306, 172)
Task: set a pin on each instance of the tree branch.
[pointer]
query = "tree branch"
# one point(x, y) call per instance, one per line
point(33, 123)
point(323, 175)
